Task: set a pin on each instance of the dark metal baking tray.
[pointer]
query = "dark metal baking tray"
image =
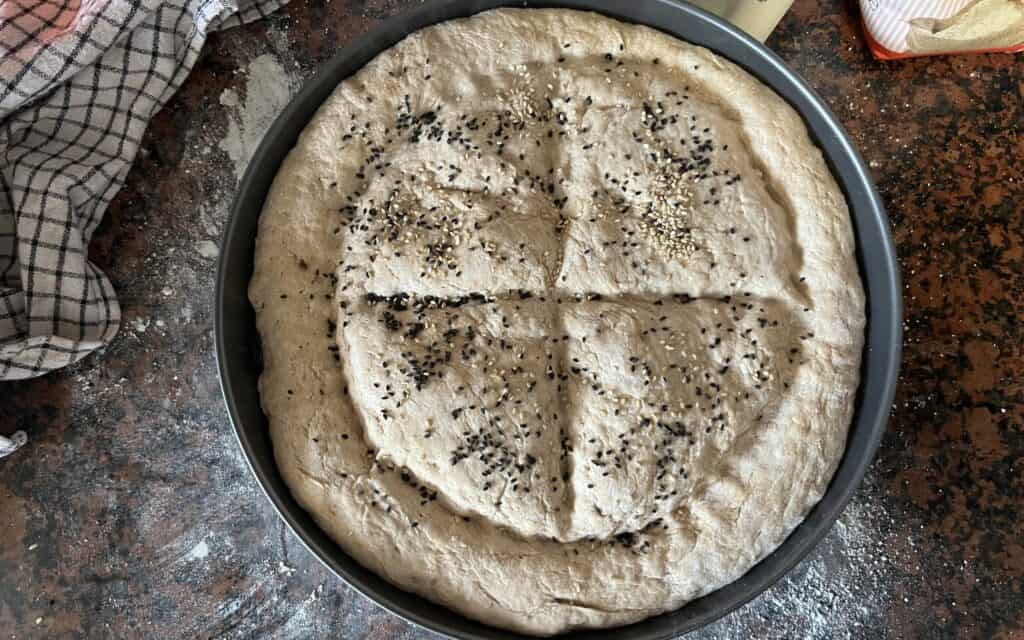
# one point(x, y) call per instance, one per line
point(238, 343)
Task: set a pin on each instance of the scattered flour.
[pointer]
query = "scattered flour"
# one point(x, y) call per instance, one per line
point(198, 552)
point(302, 623)
point(208, 249)
point(211, 216)
point(267, 90)
point(285, 569)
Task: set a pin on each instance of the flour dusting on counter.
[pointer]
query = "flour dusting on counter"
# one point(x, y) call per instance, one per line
point(198, 552)
point(268, 89)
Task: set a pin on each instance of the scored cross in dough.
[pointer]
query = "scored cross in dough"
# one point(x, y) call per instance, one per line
point(562, 416)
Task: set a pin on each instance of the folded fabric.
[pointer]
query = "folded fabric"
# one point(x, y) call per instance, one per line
point(9, 444)
point(79, 82)
point(906, 28)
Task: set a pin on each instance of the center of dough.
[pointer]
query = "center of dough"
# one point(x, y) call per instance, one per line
point(561, 335)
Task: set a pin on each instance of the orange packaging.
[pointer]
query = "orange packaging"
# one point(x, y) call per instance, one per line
point(908, 28)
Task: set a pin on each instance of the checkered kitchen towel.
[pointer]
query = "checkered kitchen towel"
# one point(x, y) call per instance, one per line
point(79, 81)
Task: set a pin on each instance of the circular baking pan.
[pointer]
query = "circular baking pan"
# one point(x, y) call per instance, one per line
point(238, 342)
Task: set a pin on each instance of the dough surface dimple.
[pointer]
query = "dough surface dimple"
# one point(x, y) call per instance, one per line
point(563, 337)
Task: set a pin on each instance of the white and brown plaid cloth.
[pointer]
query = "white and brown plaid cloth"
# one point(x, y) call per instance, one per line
point(79, 82)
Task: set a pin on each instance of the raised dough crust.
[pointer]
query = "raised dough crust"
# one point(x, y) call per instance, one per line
point(670, 370)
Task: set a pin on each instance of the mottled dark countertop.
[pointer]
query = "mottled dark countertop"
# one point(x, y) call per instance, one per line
point(130, 512)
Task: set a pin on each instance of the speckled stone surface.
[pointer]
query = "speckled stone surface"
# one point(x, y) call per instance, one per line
point(130, 513)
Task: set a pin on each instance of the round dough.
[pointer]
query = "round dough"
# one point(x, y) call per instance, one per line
point(561, 319)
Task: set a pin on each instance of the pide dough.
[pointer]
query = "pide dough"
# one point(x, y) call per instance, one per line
point(561, 319)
